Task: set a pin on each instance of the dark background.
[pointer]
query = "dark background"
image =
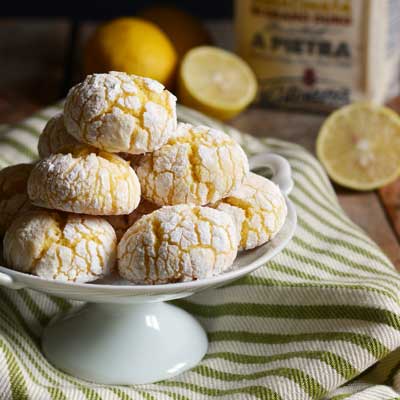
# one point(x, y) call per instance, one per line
point(105, 9)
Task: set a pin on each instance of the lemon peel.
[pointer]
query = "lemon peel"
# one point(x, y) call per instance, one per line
point(132, 45)
point(359, 146)
point(216, 82)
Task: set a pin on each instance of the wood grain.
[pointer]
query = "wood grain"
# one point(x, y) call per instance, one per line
point(367, 212)
point(390, 197)
point(365, 209)
point(32, 54)
point(38, 62)
point(390, 194)
point(377, 215)
point(83, 32)
point(295, 127)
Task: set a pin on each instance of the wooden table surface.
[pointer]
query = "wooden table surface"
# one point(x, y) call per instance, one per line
point(40, 60)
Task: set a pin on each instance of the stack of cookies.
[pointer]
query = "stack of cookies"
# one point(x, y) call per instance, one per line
point(122, 187)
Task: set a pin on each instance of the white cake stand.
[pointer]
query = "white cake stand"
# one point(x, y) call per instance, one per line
point(126, 334)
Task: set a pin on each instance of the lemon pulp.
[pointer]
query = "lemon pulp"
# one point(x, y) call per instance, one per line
point(216, 82)
point(359, 146)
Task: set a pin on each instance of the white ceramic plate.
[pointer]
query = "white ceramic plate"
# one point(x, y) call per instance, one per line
point(130, 326)
point(119, 291)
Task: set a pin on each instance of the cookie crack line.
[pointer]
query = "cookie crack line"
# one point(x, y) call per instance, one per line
point(171, 245)
point(61, 246)
point(260, 200)
point(201, 176)
point(91, 183)
point(101, 105)
point(204, 202)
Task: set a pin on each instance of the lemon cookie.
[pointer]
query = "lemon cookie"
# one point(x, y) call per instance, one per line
point(198, 165)
point(121, 223)
point(258, 209)
point(61, 247)
point(85, 182)
point(177, 243)
point(13, 196)
point(54, 137)
point(118, 112)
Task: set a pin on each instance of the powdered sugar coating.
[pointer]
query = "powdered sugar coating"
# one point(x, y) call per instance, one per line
point(258, 209)
point(54, 137)
point(14, 199)
point(118, 112)
point(198, 165)
point(121, 223)
point(177, 243)
point(61, 247)
point(85, 182)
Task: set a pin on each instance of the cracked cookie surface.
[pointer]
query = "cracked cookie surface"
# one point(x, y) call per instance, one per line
point(258, 209)
point(176, 244)
point(54, 137)
point(198, 165)
point(13, 193)
point(121, 223)
point(85, 182)
point(118, 112)
point(62, 247)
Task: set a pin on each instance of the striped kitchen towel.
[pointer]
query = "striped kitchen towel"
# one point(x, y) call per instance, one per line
point(321, 321)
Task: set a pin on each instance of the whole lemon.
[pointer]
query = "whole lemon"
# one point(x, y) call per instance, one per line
point(184, 30)
point(131, 45)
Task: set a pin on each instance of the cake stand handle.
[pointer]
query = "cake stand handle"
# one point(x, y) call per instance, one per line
point(281, 170)
point(9, 282)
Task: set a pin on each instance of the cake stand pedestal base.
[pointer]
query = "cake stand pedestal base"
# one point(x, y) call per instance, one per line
point(125, 344)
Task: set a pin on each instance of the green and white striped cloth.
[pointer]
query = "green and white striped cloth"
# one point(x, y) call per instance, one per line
point(321, 321)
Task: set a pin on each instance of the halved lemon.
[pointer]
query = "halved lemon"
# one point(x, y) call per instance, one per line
point(216, 82)
point(359, 146)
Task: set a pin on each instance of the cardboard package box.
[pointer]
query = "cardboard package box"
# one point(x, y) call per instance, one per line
point(320, 54)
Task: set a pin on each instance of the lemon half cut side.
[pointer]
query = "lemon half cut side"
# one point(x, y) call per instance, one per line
point(359, 146)
point(216, 82)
